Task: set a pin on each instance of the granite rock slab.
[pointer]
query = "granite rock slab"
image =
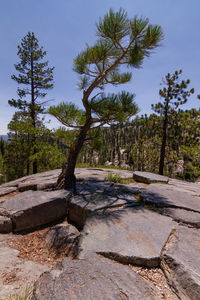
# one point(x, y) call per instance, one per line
point(131, 236)
point(97, 196)
point(5, 224)
point(34, 179)
point(185, 186)
point(163, 195)
point(181, 263)
point(147, 177)
point(31, 209)
point(94, 278)
point(99, 174)
point(23, 272)
point(7, 190)
point(182, 216)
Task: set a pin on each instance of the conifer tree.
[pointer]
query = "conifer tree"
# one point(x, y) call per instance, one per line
point(34, 78)
point(121, 42)
point(174, 94)
point(20, 150)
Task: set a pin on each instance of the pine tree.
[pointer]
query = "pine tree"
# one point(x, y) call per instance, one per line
point(35, 78)
point(121, 42)
point(174, 94)
point(20, 150)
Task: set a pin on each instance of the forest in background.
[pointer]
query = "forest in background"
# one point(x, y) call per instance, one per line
point(134, 145)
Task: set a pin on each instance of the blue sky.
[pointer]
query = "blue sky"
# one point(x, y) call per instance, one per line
point(64, 27)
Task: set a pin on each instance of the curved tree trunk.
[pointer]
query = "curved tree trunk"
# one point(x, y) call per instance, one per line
point(67, 179)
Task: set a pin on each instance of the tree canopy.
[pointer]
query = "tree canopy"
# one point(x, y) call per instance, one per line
point(121, 42)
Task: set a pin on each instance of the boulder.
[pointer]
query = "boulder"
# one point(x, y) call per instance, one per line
point(62, 238)
point(5, 224)
point(131, 235)
point(31, 209)
point(93, 278)
point(147, 177)
point(163, 195)
point(181, 263)
point(97, 196)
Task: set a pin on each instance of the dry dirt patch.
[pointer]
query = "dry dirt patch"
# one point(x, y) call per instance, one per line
point(31, 246)
point(156, 277)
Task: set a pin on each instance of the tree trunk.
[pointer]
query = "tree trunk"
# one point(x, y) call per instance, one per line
point(163, 146)
point(67, 179)
point(33, 114)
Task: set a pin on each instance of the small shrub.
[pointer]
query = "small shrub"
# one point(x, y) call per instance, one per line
point(25, 295)
point(116, 178)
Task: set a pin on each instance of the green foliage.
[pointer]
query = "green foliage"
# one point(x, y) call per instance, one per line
point(28, 144)
point(137, 144)
point(1, 169)
point(121, 42)
point(175, 93)
point(114, 107)
point(33, 74)
point(116, 178)
point(68, 114)
point(27, 132)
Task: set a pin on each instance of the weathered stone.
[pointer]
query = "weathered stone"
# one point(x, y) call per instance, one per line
point(16, 273)
point(163, 195)
point(7, 190)
point(93, 278)
point(63, 238)
point(5, 224)
point(182, 216)
point(38, 178)
point(147, 177)
point(185, 186)
point(131, 235)
point(24, 186)
point(96, 196)
point(47, 184)
point(96, 174)
point(34, 208)
point(181, 263)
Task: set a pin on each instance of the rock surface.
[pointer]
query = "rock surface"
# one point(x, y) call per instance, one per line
point(7, 190)
point(92, 278)
point(5, 224)
point(116, 224)
point(184, 186)
point(63, 238)
point(147, 177)
point(131, 236)
point(182, 216)
point(30, 209)
point(97, 196)
point(96, 174)
point(181, 263)
point(163, 195)
point(16, 273)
